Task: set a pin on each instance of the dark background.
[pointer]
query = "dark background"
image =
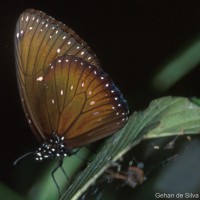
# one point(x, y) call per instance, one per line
point(132, 39)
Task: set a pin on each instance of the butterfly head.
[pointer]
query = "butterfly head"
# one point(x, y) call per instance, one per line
point(53, 147)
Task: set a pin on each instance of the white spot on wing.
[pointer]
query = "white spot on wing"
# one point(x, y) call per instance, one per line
point(27, 18)
point(61, 92)
point(82, 84)
point(40, 78)
point(72, 87)
point(95, 113)
point(52, 100)
point(58, 50)
point(92, 103)
point(17, 35)
point(82, 52)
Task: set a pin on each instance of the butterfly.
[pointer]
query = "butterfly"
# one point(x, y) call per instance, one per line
point(68, 100)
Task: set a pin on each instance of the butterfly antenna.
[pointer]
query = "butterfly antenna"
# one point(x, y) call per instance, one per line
point(22, 157)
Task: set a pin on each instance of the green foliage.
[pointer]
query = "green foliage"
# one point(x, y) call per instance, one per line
point(175, 69)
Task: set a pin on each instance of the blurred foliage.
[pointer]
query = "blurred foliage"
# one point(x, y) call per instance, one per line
point(174, 70)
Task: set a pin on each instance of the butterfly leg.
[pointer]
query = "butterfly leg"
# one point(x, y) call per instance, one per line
point(59, 164)
point(85, 160)
point(64, 172)
point(90, 149)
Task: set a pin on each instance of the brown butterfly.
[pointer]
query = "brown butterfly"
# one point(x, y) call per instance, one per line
point(67, 99)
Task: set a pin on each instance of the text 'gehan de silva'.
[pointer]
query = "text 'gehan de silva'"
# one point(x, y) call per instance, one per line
point(177, 195)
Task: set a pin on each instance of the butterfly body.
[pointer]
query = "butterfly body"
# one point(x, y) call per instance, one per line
point(52, 148)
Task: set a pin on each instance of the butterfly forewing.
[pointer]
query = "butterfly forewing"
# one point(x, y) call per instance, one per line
point(40, 39)
point(62, 87)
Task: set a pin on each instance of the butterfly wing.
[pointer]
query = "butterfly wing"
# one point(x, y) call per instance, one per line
point(91, 106)
point(76, 100)
point(62, 87)
point(40, 39)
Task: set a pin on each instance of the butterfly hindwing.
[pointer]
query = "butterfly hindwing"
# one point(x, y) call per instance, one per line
point(74, 101)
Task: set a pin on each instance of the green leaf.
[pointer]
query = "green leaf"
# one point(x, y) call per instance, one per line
point(195, 100)
point(180, 116)
point(165, 116)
